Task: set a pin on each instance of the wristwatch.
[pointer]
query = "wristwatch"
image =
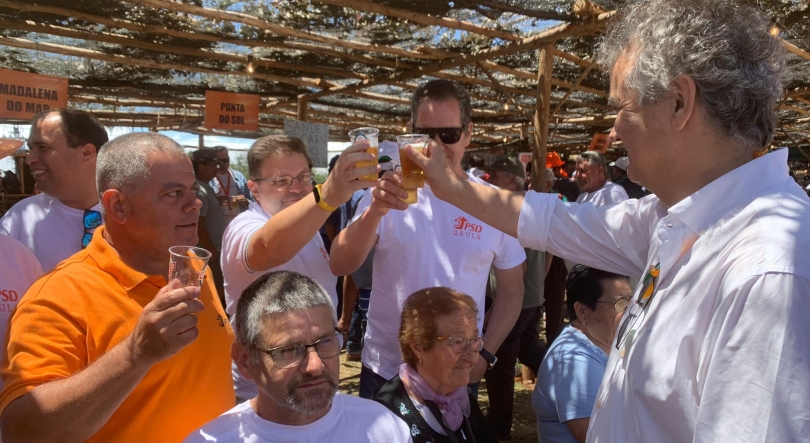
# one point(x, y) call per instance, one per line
point(491, 359)
point(316, 191)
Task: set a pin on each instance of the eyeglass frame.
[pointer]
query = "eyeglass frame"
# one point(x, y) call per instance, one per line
point(314, 345)
point(615, 303)
point(298, 179)
point(433, 132)
point(467, 344)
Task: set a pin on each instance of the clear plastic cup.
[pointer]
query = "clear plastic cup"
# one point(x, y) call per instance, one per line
point(413, 177)
point(187, 264)
point(369, 134)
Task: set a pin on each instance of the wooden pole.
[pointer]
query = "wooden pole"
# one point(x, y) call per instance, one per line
point(200, 141)
point(303, 107)
point(545, 65)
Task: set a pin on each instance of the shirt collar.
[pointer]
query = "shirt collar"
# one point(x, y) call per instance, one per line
point(108, 261)
point(733, 190)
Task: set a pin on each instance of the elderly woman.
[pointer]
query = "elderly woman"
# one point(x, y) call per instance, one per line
point(571, 372)
point(439, 339)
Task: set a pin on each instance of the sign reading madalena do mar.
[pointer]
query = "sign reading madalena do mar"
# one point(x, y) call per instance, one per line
point(23, 95)
point(228, 110)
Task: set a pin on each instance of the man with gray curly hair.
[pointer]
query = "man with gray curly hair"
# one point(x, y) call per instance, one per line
point(287, 343)
point(713, 347)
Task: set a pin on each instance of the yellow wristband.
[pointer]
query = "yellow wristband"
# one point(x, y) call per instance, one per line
point(319, 200)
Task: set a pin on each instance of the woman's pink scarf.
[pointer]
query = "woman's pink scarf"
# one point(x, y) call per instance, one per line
point(454, 407)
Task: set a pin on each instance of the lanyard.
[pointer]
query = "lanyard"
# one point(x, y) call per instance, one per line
point(225, 189)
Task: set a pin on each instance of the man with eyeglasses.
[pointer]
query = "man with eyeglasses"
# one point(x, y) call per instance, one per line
point(280, 230)
point(230, 186)
point(713, 347)
point(59, 222)
point(430, 243)
point(287, 344)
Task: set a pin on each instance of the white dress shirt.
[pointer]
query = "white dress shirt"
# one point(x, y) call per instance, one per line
point(609, 194)
point(723, 352)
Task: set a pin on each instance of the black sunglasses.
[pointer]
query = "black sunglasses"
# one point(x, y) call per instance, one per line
point(448, 136)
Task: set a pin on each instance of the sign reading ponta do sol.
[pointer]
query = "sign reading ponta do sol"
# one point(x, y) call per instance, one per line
point(23, 95)
point(316, 137)
point(232, 111)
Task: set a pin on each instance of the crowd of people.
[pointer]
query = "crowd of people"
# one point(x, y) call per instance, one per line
point(686, 288)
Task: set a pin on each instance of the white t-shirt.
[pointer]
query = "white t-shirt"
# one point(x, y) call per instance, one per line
point(18, 270)
point(350, 419)
point(312, 260)
point(47, 227)
point(609, 194)
point(432, 243)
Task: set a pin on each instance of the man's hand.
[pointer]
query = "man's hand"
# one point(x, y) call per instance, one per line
point(478, 370)
point(166, 325)
point(388, 194)
point(344, 179)
point(343, 324)
point(438, 171)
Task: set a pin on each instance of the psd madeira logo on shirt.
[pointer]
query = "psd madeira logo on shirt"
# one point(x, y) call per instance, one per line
point(463, 228)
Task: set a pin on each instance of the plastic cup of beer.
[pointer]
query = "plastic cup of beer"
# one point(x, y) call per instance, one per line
point(370, 134)
point(187, 264)
point(413, 177)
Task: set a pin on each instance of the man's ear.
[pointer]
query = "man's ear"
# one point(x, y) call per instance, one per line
point(581, 310)
point(240, 354)
point(253, 187)
point(114, 203)
point(684, 93)
point(89, 152)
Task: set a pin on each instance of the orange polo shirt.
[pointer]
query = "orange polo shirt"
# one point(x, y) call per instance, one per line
point(88, 304)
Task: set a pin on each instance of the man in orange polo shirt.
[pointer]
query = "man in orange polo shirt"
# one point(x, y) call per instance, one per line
point(102, 349)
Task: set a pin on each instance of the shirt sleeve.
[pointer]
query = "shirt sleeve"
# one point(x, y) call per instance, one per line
point(755, 364)
point(510, 253)
point(614, 238)
point(617, 195)
point(575, 384)
point(36, 355)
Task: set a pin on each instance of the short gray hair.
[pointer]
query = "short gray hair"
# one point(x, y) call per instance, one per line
point(276, 293)
point(123, 163)
point(723, 45)
point(550, 178)
point(593, 158)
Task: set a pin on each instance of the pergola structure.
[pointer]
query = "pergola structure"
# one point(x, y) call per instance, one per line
point(528, 64)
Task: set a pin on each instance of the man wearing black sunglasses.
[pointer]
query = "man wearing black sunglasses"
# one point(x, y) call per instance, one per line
point(429, 243)
point(230, 186)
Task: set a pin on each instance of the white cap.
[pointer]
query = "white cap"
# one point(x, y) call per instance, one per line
point(807, 188)
point(622, 163)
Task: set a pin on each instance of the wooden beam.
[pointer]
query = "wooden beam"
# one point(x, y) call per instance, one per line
point(303, 110)
point(798, 92)
point(196, 36)
point(204, 54)
point(796, 50)
point(571, 90)
point(518, 106)
point(571, 58)
point(216, 14)
point(422, 19)
point(126, 60)
point(795, 109)
point(545, 67)
point(526, 44)
point(545, 15)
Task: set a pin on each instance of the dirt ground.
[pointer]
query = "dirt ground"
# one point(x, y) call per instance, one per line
point(524, 429)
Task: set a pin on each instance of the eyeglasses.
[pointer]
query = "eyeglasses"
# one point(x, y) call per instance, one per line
point(290, 356)
point(285, 181)
point(224, 160)
point(448, 136)
point(620, 304)
point(460, 345)
point(645, 297)
point(92, 220)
